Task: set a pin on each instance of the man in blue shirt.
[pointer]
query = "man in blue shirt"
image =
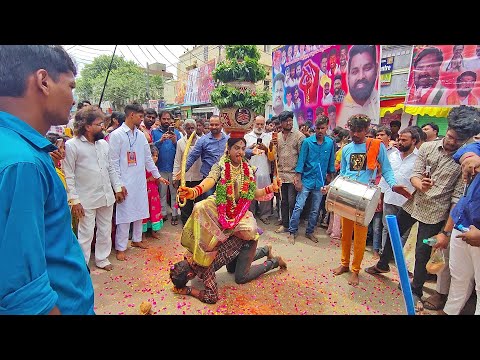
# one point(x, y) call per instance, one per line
point(464, 259)
point(209, 148)
point(41, 263)
point(316, 163)
point(355, 164)
point(165, 139)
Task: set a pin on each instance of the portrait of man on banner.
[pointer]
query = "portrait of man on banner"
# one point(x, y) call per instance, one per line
point(444, 75)
point(345, 76)
point(362, 78)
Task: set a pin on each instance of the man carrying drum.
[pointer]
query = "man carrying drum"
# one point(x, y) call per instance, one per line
point(360, 161)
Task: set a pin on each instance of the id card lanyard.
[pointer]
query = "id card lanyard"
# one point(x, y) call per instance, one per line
point(131, 155)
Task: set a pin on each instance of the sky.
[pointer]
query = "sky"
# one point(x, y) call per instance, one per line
point(140, 54)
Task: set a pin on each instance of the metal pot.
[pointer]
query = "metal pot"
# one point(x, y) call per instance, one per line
point(353, 200)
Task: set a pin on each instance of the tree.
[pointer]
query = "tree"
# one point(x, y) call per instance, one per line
point(126, 82)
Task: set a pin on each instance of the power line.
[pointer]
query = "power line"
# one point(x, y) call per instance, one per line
point(139, 62)
point(148, 59)
point(95, 49)
point(70, 48)
point(168, 60)
point(146, 48)
point(87, 52)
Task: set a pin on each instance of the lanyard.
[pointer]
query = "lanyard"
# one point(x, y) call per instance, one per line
point(134, 141)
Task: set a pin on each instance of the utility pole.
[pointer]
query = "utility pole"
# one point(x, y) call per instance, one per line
point(148, 85)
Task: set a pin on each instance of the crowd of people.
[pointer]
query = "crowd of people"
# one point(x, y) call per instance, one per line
point(120, 176)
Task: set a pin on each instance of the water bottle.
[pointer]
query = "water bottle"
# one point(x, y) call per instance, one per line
point(430, 241)
point(461, 228)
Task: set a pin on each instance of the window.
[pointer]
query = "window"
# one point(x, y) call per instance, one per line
point(266, 85)
point(267, 48)
point(205, 53)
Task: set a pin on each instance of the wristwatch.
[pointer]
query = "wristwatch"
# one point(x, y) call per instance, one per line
point(446, 233)
point(189, 290)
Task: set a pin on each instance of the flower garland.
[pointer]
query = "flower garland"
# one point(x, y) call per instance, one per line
point(231, 212)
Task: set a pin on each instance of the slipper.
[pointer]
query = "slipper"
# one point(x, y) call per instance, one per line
point(435, 302)
point(174, 220)
point(374, 270)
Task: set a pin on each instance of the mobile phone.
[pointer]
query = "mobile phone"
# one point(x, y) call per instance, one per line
point(259, 140)
point(171, 129)
point(59, 143)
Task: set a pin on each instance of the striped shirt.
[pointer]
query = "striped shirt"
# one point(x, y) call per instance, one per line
point(433, 206)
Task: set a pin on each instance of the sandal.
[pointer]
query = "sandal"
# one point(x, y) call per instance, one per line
point(174, 220)
point(435, 302)
point(374, 270)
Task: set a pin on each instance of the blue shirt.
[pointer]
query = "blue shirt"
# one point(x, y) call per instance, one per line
point(41, 262)
point(166, 150)
point(354, 159)
point(315, 161)
point(209, 149)
point(467, 210)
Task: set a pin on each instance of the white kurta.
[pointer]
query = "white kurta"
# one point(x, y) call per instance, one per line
point(121, 141)
point(262, 174)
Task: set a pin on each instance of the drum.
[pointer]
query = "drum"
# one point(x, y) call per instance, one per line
point(353, 200)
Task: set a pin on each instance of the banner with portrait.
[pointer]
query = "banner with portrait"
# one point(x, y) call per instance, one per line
point(444, 75)
point(200, 84)
point(335, 80)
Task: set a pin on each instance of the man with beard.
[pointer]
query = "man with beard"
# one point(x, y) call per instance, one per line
point(338, 92)
point(435, 196)
point(148, 122)
point(192, 176)
point(278, 93)
point(427, 88)
point(165, 139)
point(463, 95)
point(90, 177)
point(362, 97)
point(343, 58)
point(209, 148)
point(260, 161)
point(402, 162)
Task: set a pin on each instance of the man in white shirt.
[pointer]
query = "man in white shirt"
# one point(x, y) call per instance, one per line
point(260, 139)
point(131, 157)
point(90, 177)
point(193, 176)
point(402, 162)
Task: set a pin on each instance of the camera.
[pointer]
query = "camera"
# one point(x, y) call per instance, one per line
point(171, 129)
point(259, 140)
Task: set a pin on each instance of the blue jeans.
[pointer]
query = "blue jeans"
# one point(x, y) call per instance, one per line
point(377, 228)
point(299, 204)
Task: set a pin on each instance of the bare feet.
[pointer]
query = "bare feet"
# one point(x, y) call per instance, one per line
point(280, 229)
point(269, 255)
point(353, 279)
point(291, 238)
point(376, 255)
point(140, 244)
point(281, 263)
point(108, 267)
point(156, 234)
point(340, 270)
point(312, 237)
point(121, 255)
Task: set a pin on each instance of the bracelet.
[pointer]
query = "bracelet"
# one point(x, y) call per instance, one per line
point(466, 157)
point(268, 190)
point(199, 190)
point(189, 290)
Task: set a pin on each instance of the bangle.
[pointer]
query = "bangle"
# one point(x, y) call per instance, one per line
point(189, 290)
point(466, 157)
point(268, 190)
point(199, 190)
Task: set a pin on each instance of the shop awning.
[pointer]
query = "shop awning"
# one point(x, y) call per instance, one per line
point(204, 109)
point(436, 111)
point(391, 104)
